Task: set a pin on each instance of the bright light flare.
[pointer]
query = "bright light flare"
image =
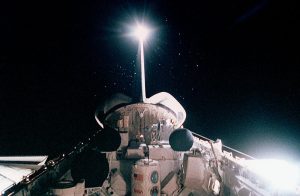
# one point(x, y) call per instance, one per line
point(141, 32)
point(280, 174)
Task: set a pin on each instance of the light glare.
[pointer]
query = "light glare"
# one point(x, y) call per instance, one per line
point(280, 174)
point(141, 32)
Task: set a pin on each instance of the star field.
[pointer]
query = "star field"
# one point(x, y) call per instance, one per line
point(232, 65)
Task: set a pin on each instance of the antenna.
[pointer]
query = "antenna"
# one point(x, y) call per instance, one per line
point(143, 82)
point(142, 32)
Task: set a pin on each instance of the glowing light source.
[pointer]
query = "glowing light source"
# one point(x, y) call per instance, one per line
point(280, 174)
point(141, 32)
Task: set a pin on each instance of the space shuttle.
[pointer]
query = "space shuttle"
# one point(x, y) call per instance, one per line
point(143, 149)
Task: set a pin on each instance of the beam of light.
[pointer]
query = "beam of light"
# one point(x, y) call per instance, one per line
point(280, 174)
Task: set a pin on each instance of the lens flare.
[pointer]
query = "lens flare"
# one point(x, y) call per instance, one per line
point(141, 32)
point(280, 174)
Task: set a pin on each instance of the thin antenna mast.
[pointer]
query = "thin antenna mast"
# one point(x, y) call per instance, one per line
point(141, 32)
point(143, 82)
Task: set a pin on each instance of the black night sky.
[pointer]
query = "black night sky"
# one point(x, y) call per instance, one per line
point(233, 65)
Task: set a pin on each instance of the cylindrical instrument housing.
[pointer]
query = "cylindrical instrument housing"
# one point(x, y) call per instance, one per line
point(145, 179)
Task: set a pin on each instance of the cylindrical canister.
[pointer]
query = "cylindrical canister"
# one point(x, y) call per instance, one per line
point(145, 179)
